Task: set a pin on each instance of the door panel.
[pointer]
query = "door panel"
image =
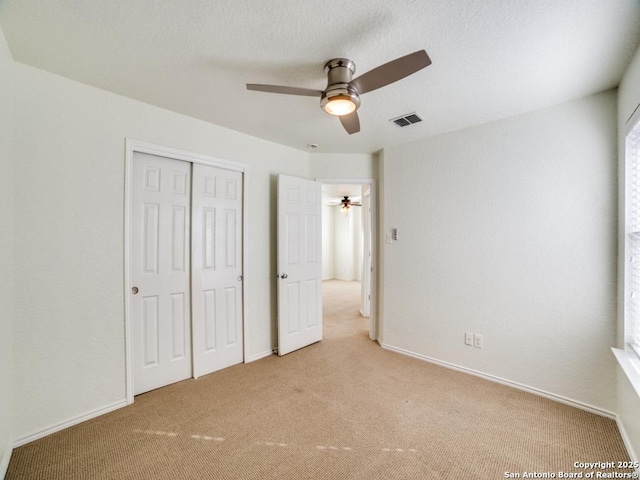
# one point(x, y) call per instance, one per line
point(217, 268)
point(299, 263)
point(179, 326)
point(161, 329)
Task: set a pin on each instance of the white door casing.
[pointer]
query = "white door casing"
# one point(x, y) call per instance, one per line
point(366, 252)
point(299, 263)
point(160, 271)
point(368, 185)
point(217, 305)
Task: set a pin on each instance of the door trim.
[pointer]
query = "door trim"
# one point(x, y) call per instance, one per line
point(133, 146)
point(373, 198)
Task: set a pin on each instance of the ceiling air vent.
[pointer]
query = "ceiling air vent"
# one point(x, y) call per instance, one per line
point(406, 119)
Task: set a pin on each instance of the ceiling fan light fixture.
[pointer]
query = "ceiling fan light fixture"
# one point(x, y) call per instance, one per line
point(340, 100)
point(340, 105)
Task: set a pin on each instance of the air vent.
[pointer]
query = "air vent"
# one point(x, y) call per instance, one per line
point(406, 119)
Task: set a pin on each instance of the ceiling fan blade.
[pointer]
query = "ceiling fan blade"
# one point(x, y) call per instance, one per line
point(351, 122)
point(391, 72)
point(308, 92)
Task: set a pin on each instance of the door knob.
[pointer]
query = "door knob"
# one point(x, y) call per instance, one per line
point(239, 278)
point(284, 275)
point(134, 290)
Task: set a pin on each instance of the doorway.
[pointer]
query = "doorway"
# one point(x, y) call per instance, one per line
point(348, 240)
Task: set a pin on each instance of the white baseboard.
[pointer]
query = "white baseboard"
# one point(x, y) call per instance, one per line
point(69, 423)
point(4, 463)
point(627, 443)
point(509, 383)
point(258, 356)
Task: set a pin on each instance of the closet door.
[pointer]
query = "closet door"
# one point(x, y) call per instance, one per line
point(160, 270)
point(217, 268)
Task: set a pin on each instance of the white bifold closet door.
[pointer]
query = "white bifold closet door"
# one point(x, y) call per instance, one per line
point(186, 256)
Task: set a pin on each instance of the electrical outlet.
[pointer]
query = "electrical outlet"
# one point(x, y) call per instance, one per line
point(477, 340)
point(468, 339)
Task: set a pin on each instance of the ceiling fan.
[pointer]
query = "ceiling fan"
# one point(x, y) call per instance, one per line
point(346, 203)
point(342, 95)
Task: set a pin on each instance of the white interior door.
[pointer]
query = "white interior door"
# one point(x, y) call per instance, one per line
point(299, 263)
point(160, 271)
point(216, 269)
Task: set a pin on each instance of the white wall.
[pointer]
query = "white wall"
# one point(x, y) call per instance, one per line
point(6, 250)
point(347, 231)
point(69, 145)
point(328, 241)
point(342, 244)
point(509, 230)
point(628, 400)
point(343, 165)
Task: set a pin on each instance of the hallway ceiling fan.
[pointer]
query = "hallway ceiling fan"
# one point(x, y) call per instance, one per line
point(346, 203)
point(342, 95)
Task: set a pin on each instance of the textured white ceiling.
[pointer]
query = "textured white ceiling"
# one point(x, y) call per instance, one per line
point(491, 58)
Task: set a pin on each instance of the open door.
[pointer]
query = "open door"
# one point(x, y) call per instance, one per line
point(299, 263)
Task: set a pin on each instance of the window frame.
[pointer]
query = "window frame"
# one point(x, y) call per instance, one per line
point(628, 357)
point(631, 315)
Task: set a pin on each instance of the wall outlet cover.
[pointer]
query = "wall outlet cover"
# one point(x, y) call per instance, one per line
point(468, 339)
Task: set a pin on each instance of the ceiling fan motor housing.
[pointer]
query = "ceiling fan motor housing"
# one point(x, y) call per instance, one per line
point(339, 73)
point(339, 70)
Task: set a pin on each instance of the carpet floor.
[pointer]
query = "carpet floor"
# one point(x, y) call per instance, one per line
point(343, 408)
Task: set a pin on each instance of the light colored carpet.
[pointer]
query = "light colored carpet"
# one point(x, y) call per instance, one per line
point(343, 408)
